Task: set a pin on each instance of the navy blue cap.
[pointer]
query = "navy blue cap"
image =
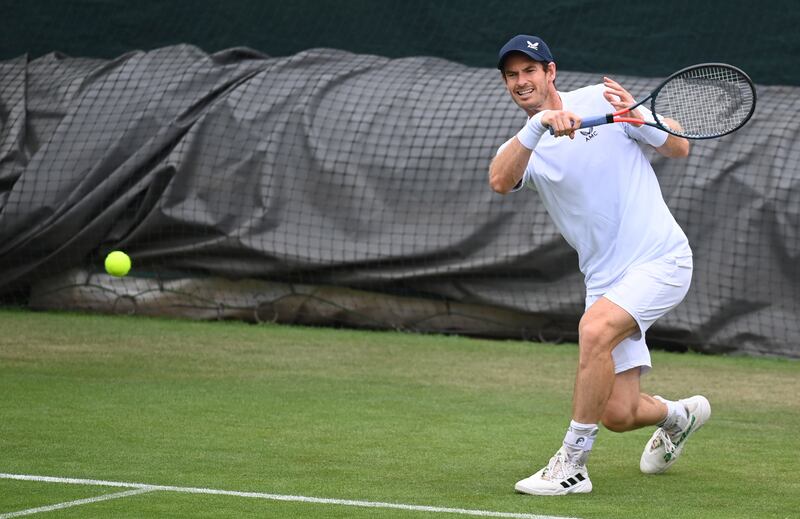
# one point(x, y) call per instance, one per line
point(533, 46)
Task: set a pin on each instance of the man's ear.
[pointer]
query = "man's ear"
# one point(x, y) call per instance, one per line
point(551, 70)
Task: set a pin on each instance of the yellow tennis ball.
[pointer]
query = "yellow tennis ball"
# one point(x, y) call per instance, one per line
point(118, 263)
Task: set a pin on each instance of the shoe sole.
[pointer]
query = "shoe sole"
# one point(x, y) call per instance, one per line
point(584, 487)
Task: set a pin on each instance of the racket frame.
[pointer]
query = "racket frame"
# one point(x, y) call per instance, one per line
point(616, 117)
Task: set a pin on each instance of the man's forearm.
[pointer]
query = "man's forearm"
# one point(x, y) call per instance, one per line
point(674, 147)
point(508, 167)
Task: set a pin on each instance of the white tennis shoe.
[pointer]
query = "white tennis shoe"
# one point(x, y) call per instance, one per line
point(560, 476)
point(663, 449)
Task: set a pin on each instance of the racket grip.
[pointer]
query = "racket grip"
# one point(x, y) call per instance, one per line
point(591, 121)
point(597, 121)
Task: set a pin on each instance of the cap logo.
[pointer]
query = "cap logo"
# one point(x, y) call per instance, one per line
point(534, 46)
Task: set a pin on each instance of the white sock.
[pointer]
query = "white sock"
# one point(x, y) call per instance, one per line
point(677, 417)
point(579, 440)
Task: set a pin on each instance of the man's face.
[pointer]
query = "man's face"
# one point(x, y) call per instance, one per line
point(529, 82)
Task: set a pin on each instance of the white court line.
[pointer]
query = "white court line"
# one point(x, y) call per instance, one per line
point(78, 502)
point(278, 497)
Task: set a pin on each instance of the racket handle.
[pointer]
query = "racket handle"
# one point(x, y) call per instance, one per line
point(591, 121)
point(597, 121)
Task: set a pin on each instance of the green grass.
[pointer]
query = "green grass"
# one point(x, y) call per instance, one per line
point(389, 417)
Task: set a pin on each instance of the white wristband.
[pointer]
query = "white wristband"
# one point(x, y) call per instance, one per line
point(530, 134)
point(648, 134)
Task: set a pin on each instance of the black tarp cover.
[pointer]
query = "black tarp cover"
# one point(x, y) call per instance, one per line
point(364, 172)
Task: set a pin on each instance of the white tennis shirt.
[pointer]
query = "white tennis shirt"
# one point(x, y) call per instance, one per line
point(603, 195)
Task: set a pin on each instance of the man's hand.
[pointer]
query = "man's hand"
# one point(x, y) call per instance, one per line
point(620, 98)
point(562, 122)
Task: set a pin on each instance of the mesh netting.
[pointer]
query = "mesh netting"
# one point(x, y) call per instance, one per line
point(336, 187)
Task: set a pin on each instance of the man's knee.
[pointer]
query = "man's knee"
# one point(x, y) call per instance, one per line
point(595, 337)
point(618, 418)
point(602, 327)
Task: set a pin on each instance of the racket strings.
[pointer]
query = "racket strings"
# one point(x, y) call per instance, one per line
point(707, 101)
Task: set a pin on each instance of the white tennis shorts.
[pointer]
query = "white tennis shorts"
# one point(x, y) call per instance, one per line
point(647, 292)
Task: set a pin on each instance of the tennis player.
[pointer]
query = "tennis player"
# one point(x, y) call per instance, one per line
point(601, 192)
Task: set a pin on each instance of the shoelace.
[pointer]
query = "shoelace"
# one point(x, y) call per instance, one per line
point(669, 446)
point(557, 468)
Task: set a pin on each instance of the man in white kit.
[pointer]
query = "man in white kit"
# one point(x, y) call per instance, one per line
point(603, 196)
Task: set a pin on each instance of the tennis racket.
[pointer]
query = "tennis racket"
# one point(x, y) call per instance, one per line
point(707, 100)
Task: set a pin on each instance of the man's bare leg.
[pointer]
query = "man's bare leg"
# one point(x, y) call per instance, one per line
point(603, 326)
